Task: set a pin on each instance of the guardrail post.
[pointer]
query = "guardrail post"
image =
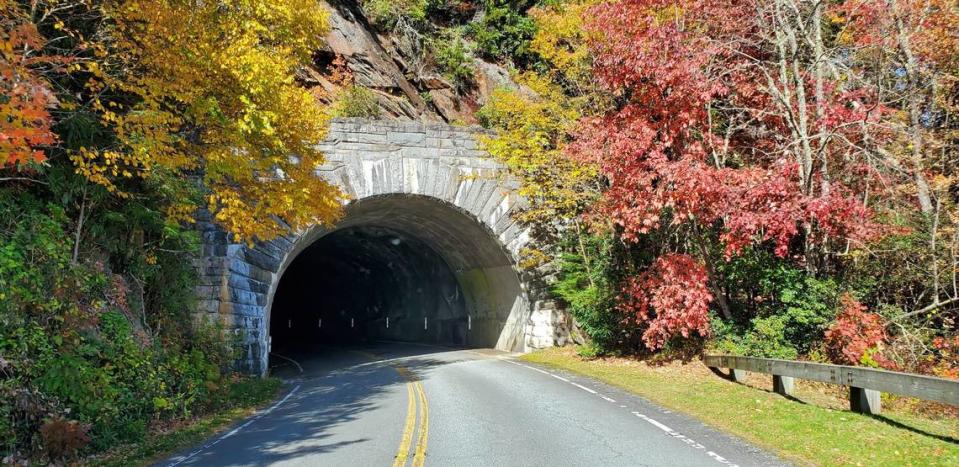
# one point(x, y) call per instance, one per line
point(783, 385)
point(738, 376)
point(866, 401)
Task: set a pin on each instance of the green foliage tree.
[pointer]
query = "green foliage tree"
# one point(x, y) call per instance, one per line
point(505, 32)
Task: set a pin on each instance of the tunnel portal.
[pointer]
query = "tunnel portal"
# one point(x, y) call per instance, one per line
point(429, 234)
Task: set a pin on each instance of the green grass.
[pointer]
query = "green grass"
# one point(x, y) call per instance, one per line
point(245, 397)
point(813, 430)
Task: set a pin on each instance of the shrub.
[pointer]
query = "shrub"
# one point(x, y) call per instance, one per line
point(386, 14)
point(584, 284)
point(62, 439)
point(356, 101)
point(809, 305)
point(856, 336)
point(947, 350)
point(79, 362)
point(418, 14)
point(764, 337)
point(453, 59)
point(505, 32)
point(764, 286)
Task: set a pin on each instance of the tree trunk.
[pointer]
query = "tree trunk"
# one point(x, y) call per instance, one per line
point(79, 232)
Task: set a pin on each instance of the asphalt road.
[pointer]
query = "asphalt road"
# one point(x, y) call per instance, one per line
point(406, 404)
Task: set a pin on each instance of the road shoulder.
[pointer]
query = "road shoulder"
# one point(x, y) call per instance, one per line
point(800, 430)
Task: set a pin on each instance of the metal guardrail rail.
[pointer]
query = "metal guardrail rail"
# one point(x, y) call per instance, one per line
point(865, 384)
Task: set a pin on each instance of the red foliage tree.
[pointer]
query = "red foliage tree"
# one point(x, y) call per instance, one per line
point(671, 299)
point(25, 122)
point(856, 333)
point(698, 138)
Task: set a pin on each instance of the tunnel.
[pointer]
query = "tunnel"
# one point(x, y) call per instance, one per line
point(398, 268)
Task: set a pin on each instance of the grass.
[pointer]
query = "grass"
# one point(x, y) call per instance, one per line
point(814, 428)
point(246, 395)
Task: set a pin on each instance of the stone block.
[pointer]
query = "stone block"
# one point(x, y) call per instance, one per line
point(407, 138)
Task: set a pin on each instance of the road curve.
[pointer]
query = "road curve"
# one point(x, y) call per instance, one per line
point(406, 404)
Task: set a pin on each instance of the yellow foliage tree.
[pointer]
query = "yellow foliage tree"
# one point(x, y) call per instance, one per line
point(206, 90)
point(561, 40)
point(533, 125)
point(532, 129)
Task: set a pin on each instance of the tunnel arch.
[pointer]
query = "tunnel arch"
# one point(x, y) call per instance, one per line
point(427, 181)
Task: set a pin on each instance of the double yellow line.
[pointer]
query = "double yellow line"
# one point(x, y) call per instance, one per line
point(415, 393)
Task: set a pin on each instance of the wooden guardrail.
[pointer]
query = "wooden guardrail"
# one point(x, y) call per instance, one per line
point(865, 384)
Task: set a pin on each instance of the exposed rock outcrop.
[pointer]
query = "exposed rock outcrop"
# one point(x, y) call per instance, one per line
point(406, 87)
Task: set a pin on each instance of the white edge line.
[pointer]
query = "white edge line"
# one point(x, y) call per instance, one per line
point(537, 369)
point(655, 423)
point(235, 430)
point(684, 439)
point(584, 388)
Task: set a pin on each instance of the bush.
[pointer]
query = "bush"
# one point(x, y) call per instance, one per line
point(591, 296)
point(763, 337)
point(766, 287)
point(505, 32)
point(63, 439)
point(808, 306)
point(356, 101)
point(78, 359)
point(856, 336)
point(386, 14)
point(418, 14)
point(453, 59)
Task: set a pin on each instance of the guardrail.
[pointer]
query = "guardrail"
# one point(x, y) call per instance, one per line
point(865, 384)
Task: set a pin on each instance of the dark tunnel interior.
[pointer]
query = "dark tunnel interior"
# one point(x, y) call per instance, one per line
point(365, 283)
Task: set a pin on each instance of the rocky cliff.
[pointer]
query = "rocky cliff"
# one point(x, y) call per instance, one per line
point(397, 70)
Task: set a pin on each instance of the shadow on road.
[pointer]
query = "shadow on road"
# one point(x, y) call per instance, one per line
point(336, 386)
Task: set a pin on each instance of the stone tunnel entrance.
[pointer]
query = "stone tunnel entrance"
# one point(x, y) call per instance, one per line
point(398, 267)
point(430, 234)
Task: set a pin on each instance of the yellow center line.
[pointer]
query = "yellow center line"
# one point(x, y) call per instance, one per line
point(419, 458)
point(414, 393)
point(403, 452)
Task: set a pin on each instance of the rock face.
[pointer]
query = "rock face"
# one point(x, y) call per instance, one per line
point(404, 91)
point(430, 182)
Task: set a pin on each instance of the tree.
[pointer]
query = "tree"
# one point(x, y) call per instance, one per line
point(534, 125)
point(206, 90)
point(25, 96)
point(719, 136)
point(533, 128)
point(909, 50)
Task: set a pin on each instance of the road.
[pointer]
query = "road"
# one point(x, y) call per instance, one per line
point(406, 404)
